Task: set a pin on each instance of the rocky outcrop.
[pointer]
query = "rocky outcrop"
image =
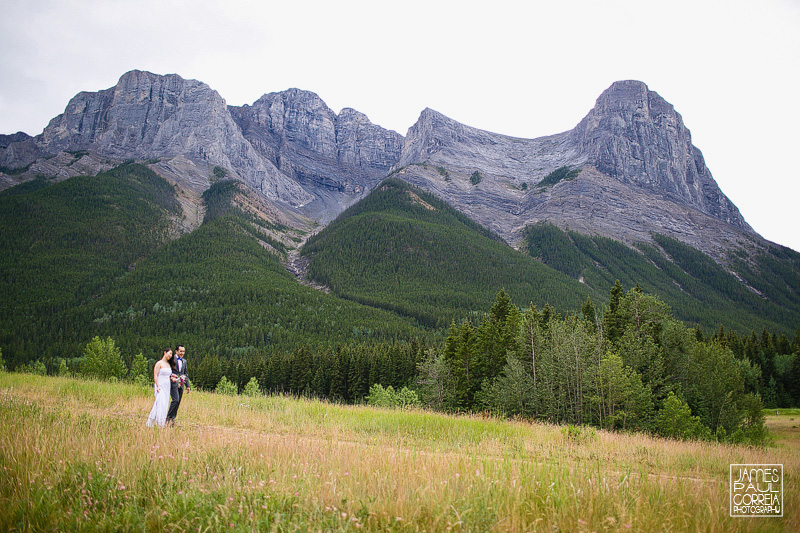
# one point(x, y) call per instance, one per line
point(18, 150)
point(337, 158)
point(150, 116)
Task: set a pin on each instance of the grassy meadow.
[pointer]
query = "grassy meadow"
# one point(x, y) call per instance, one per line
point(76, 456)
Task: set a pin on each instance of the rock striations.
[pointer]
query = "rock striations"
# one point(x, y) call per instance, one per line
point(147, 116)
point(634, 170)
point(635, 136)
point(337, 158)
point(637, 173)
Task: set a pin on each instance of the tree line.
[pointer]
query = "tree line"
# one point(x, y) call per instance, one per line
point(632, 366)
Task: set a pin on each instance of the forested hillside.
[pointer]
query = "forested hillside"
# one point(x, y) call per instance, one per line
point(65, 244)
point(407, 251)
point(697, 289)
point(91, 256)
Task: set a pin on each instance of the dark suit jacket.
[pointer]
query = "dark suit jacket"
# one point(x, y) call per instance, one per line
point(182, 371)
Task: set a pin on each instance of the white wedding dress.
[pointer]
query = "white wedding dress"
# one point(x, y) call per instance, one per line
point(158, 414)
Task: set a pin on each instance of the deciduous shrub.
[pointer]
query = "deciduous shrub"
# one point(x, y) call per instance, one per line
point(103, 360)
point(388, 397)
point(252, 388)
point(226, 387)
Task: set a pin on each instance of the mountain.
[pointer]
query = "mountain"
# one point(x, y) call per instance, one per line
point(336, 158)
point(290, 166)
point(634, 168)
point(289, 147)
point(635, 172)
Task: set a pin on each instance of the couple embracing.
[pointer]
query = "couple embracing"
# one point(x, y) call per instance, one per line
point(170, 378)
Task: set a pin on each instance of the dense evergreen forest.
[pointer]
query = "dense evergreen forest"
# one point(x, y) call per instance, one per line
point(91, 256)
point(698, 290)
point(405, 250)
point(411, 280)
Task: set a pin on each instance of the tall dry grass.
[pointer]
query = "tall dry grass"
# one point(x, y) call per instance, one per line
point(75, 456)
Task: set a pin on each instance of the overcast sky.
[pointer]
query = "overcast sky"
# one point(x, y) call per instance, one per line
point(528, 69)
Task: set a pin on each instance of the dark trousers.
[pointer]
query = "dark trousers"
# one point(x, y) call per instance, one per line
point(175, 393)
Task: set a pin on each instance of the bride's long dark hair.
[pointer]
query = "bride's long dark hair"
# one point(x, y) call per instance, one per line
point(172, 364)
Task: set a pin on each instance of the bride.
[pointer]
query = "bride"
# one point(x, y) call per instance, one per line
point(162, 375)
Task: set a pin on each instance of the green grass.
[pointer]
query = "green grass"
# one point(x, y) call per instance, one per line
point(75, 456)
point(782, 411)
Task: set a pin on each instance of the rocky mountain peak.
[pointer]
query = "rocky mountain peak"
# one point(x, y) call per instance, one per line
point(149, 116)
point(634, 135)
point(297, 116)
point(336, 157)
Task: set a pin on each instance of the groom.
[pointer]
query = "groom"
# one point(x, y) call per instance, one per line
point(176, 390)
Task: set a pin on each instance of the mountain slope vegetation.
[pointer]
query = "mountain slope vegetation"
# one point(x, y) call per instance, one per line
point(94, 256)
point(699, 290)
point(406, 250)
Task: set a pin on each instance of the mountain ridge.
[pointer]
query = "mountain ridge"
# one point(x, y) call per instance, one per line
point(632, 150)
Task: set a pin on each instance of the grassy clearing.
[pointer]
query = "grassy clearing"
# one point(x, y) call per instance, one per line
point(75, 456)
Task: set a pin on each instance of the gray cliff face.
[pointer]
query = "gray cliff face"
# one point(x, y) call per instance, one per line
point(639, 174)
point(150, 116)
point(337, 158)
point(636, 136)
point(440, 141)
point(18, 150)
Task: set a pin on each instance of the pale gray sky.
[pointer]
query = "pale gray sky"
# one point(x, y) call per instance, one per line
point(731, 68)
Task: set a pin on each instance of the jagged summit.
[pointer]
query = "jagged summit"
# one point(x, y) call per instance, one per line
point(636, 136)
point(638, 174)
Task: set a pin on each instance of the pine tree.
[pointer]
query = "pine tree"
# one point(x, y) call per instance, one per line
point(611, 321)
point(589, 313)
